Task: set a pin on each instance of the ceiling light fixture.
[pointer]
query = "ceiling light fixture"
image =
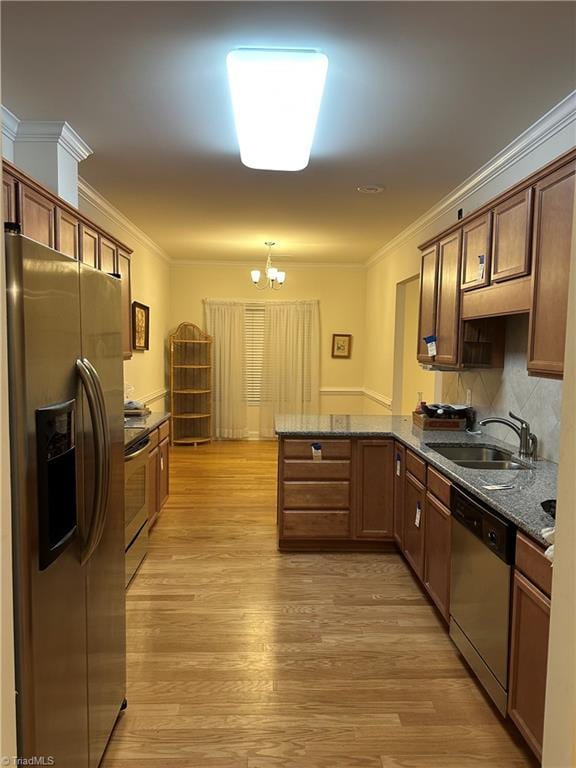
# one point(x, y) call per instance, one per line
point(276, 95)
point(370, 189)
point(273, 277)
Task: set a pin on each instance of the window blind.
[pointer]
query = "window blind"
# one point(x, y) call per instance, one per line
point(253, 351)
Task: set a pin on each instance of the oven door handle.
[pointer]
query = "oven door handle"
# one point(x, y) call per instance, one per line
point(92, 537)
point(139, 452)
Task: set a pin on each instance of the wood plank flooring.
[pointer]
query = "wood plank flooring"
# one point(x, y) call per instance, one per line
point(241, 657)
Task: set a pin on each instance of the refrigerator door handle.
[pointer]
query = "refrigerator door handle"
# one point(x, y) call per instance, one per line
point(107, 446)
point(93, 536)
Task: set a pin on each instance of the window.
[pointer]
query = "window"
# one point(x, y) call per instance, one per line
point(253, 351)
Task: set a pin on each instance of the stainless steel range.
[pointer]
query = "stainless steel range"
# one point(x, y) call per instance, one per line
point(135, 498)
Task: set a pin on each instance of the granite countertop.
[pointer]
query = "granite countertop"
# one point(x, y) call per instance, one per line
point(520, 505)
point(137, 427)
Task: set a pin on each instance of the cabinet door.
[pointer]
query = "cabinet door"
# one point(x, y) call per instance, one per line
point(528, 658)
point(553, 208)
point(414, 512)
point(428, 288)
point(511, 240)
point(89, 252)
point(124, 270)
point(164, 471)
point(9, 192)
point(476, 240)
point(67, 234)
point(38, 216)
point(374, 514)
point(437, 554)
point(108, 256)
point(153, 485)
point(399, 480)
point(448, 309)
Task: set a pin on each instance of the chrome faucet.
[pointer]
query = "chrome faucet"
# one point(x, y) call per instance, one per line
point(528, 440)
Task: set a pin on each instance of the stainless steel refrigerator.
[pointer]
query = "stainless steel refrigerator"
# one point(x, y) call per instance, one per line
point(66, 431)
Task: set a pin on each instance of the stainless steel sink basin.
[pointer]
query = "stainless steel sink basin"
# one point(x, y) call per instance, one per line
point(478, 456)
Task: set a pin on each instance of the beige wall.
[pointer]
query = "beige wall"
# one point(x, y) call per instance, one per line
point(340, 291)
point(150, 278)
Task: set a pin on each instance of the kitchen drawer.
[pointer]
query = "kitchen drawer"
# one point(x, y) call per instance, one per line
point(331, 449)
point(531, 562)
point(316, 495)
point(316, 525)
point(439, 486)
point(316, 470)
point(164, 431)
point(416, 467)
point(154, 440)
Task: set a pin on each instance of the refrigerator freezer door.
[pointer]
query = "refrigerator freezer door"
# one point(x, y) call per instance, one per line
point(102, 347)
point(43, 344)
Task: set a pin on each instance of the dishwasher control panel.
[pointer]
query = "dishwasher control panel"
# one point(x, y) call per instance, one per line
point(497, 534)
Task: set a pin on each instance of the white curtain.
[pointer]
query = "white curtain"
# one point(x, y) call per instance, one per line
point(291, 368)
point(224, 321)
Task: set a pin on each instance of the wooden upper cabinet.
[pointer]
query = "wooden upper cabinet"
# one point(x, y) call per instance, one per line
point(89, 251)
point(414, 513)
point(553, 210)
point(528, 659)
point(511, 238)
point(437, 554)
point(428, 295)
point(108, 256)
point(67, 234)
point(448, 302)
point(38, 216)
point(374, 511)
point(9, 197)
point(124, 270)
point(476, 242)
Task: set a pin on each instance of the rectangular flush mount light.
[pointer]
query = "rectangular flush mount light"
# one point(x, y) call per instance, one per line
point(276, 95)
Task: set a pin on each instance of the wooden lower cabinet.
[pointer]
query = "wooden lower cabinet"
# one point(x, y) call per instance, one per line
point(528, 660)
point(158, 471)
point(375, 489)
point(153, 505)
point(414, 523)
point(164, 470)
point(343, 493)
point(399, 480)
point(438, 539)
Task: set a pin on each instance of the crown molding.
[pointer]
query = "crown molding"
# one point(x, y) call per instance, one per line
point(56, 132)
point(287, 265)
point(10, 124)
point(560, 116)
point(91, 196)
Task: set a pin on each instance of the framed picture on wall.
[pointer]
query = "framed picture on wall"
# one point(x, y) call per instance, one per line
point(140, 326)
point(341, 345)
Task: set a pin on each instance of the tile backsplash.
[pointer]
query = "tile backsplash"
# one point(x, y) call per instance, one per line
point(495, 392)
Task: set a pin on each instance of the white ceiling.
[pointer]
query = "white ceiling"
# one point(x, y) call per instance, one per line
point(418, 96)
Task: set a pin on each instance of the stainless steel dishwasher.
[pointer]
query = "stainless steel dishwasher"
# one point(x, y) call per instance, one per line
point(481, 559)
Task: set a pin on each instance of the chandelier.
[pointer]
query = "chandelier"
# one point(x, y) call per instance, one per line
point(273, 277)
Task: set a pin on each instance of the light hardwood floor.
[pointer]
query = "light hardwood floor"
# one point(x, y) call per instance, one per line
point(241, 657)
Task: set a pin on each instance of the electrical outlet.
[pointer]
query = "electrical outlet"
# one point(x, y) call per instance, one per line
point(468, 397)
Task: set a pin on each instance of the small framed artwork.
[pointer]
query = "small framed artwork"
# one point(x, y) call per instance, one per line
point(140, 326)
point(341, 345)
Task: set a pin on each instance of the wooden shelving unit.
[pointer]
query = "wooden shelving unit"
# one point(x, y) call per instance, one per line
point(191, 385)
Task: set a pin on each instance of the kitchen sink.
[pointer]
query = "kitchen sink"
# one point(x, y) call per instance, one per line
point(478, 456)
